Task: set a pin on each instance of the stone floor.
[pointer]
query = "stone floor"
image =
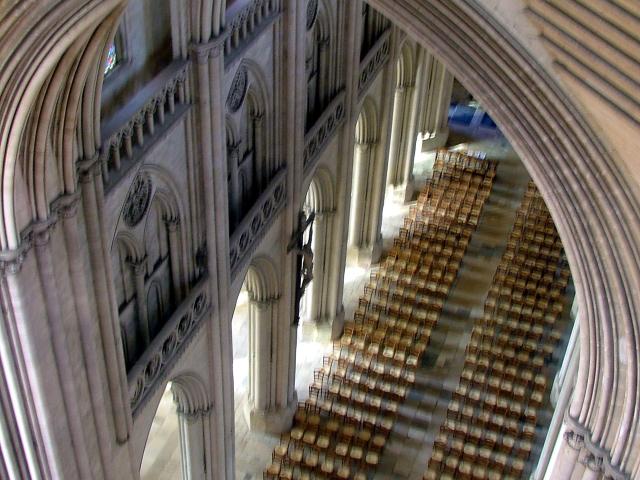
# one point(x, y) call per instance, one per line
point(409, 448)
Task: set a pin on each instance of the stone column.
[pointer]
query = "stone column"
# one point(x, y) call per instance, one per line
point(139, 268)
point(321, 264)
point(350, 69)
point(566, 376)
point(91, 191)
point(259, 154)
point(175, 252)
point(235, 198)
point(593, 467)
point(434, 124)
point(192, 443)
point(25, 329)
point(263, 411)
point(565, 455)
point(395, 177)
point(362, 158)
point(209, 72)
point(323, 73)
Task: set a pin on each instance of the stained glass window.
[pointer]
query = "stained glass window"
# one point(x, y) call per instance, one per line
point(112, 59)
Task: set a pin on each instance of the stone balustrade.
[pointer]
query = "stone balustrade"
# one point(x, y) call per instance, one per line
point(128, 133)
point(257, 221)
point(323, 130)
point(169, 344)
point(245, 20)
point(373, 62)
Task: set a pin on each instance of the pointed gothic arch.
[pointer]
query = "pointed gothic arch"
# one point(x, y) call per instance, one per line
point(320, 200)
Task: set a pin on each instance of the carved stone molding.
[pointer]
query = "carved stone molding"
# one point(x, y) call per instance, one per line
point(574, 440)
point(38, 233)
point(245, 22)
point(374, 61)
point(167, 347)
point(592, 462)
point(130, 132)
point(322, 132)
point(592, 455)
point(256, 223)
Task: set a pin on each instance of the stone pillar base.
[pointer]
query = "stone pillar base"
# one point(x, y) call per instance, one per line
point(273, 421)
point(409, 190)
point(318, 330)
point(435, 141)
point(403, 192)
point(367, 255)
point(337, 325)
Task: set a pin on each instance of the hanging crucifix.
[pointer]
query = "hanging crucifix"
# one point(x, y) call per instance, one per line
point(304, 259)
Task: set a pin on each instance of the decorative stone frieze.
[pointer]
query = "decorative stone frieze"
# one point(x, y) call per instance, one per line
point(168, 345)
point(37, 233)
point(374, 61)
point(132, 130)
point(245, 21)
point(322, 132)
point(591, 455)
point(257, 221)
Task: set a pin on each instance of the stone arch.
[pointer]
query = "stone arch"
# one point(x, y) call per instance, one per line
point(320, 200)
point(190, 394)
point(582, 184)
point(130, 244)
point(320, 195)
point(265, 332)
point(367, 191)
point(54, 91)
point(402, 144)
point(367, 130)
point(192, 407)
point(262, 280)
point(406, 65)
point(321, 44)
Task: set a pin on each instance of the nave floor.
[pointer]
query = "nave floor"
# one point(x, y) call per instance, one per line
point(407, 453)
point(409, 448)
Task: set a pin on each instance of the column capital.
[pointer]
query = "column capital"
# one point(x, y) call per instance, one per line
point(592, 462)
point(574, 440)
point(192, 415)
point(66, 206)
point(89, 168)
point(211, 49)
point(138, 265)
point(41, 231)
point(172, 223)
point(11, 260)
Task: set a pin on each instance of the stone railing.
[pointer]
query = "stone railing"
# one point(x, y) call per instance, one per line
point(128, 133)
point(245, 21)
point(169, 344)
point(257, 221)
point(322, 131)
point(373, 62)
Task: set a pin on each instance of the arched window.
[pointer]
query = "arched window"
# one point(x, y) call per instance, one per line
point(112, 59)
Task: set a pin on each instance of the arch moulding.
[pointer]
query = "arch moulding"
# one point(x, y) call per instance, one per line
point(590, 199)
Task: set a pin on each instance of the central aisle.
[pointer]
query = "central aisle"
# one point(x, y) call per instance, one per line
point(419, 419)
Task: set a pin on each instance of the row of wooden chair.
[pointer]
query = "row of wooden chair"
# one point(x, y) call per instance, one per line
point(491, 418)
point(371, 369)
